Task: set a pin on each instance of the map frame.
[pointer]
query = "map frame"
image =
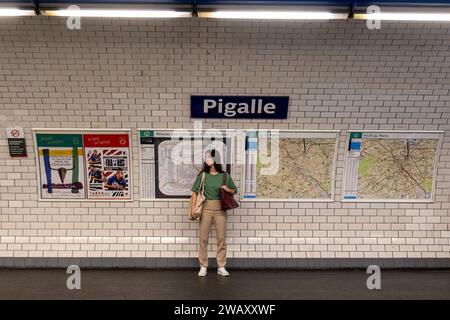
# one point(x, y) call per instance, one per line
point(436, 162)
point(299, 200)
point(230, 133)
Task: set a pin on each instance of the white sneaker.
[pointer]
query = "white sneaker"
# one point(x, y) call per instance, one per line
point(223, 272)
point(202, 272)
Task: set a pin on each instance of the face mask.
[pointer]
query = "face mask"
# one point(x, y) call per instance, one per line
point(209, 161)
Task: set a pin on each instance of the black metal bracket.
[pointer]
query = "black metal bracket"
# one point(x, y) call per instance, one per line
point(36, 8)
point(194, 9)
point(351, 12)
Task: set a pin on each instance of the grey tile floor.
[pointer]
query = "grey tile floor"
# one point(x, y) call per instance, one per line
point(242, 284)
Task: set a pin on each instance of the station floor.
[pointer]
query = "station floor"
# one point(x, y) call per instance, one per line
point(241, 284)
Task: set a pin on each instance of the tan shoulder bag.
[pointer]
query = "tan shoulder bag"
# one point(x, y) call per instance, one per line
point(199, 201)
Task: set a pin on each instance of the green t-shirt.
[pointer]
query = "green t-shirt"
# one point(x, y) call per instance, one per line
point(213, 184)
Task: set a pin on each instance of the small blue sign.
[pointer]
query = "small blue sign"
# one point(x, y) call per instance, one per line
point(354, 145)
point(239, 107)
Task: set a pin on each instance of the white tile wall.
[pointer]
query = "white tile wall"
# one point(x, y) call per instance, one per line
point(141, 73)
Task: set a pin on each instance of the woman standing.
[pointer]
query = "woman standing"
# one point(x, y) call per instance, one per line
point(212, 212)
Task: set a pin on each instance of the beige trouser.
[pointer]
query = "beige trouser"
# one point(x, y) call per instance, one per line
point(213, 214)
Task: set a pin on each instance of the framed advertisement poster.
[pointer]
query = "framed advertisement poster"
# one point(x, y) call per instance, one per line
point(107, 159)
point(61, 169)
point(83, 164)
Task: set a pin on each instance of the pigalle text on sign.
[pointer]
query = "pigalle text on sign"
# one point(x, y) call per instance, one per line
point(16, 142)
point(239, 107)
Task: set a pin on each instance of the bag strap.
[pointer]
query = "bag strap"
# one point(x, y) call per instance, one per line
point(202, 183)
point(223, 178)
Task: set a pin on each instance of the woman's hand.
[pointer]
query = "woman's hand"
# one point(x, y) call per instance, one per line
point(193, 202)
point(229, 190)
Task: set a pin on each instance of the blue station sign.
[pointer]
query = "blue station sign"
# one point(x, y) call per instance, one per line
point(239, 107)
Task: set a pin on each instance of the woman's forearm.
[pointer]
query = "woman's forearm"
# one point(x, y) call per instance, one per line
point(229, 190)
point(194, 200)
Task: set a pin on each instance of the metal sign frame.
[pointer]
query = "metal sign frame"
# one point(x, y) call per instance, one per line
point(436, 162)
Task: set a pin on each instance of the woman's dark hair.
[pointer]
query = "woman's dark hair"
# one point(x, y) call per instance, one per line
point(218, 166)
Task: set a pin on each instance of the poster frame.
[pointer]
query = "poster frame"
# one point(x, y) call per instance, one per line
point(143, 199)
point(82, 131)
point(436, 162)
point(299, 200)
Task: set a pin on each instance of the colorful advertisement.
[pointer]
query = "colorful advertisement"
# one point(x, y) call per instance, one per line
point(61, 169)
point(107, 159)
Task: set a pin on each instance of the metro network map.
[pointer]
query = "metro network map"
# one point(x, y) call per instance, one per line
point(305, 167)
point(390, 165)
